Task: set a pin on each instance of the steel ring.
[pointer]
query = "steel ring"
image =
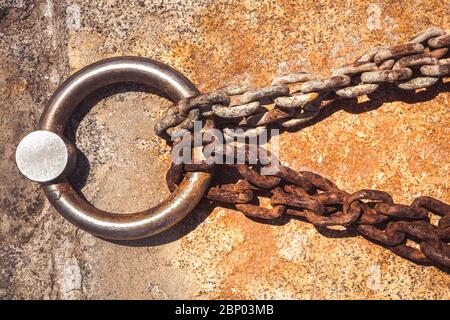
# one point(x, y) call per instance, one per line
point(60, 192)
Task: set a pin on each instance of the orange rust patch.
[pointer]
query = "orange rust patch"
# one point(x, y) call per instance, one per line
point(254, 257)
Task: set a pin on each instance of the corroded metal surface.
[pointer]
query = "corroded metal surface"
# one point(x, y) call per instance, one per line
point(384, 144)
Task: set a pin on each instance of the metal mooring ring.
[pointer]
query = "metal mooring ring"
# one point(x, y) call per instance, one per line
point(45, 156)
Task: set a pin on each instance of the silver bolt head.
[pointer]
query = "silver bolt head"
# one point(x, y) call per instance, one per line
point(43, 156)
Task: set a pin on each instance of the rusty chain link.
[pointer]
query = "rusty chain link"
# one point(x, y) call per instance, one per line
point(294, 99)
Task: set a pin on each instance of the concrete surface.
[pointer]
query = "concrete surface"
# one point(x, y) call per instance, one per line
point(398, 143)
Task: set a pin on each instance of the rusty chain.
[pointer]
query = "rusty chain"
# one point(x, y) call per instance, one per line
point(294, 99)
point(371, 213)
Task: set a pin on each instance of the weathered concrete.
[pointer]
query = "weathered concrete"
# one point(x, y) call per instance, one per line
point(399, 143)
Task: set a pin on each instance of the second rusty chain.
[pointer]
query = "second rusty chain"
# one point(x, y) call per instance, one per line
point(296, 98)
point(319, 201)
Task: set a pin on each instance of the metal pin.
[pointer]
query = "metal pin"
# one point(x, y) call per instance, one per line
point(44, 156)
